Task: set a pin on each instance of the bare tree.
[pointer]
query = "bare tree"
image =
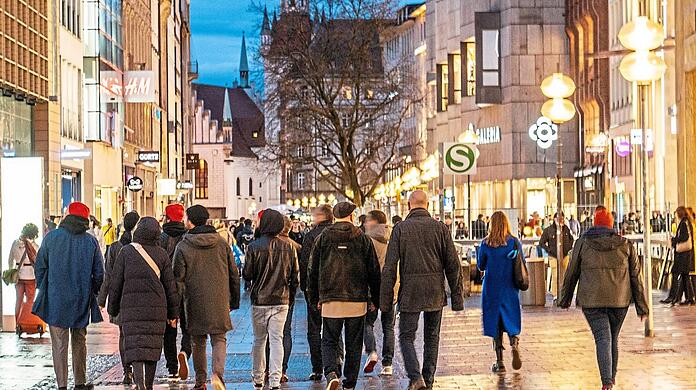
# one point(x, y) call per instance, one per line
point(335, 104)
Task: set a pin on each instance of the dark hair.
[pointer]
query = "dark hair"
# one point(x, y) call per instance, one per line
point(326, 210)
point(247, 222)
point(480, 216)
point(682, 213)
point(241, 219)
point(30, 231)
point(378, 216)
point(362, 218)
point(396, 219)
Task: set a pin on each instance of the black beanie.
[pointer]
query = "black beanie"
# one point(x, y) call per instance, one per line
point(130, 220)
point(197, 214)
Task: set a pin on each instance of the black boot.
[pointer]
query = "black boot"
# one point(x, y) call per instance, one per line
point(689, 289)
point(678, 291)
point(672, 291)
point(516, 359)
point(499, 365)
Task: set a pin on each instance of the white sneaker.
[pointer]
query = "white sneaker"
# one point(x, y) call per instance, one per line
point(371, 363)
point(387, 371)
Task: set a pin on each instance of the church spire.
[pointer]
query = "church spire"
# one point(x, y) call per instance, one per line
point(244, 65)
point(266, 25)
point(226, 109)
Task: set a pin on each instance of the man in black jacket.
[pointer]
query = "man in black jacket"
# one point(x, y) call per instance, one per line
point(478, 228)
point(343, 276)
point(421, 250)
point(172, 232)
point(322, 217)
point(549, 244)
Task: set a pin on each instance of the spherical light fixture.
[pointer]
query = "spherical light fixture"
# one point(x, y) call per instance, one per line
point(558, 85)
point(642, 67)
point(641, 34)
point(558, 110)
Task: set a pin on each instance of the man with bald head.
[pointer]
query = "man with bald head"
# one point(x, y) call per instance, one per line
point(422, 251)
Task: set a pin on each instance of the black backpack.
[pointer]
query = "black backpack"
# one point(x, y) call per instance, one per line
point(169, 243)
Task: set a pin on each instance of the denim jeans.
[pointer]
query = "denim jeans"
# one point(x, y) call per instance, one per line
point(408, 327)
point(268, 323)
point(200, 357)
point(606, 325)
point(331, 347)
point(169, 345)
point(287, 339)
point(387, 320)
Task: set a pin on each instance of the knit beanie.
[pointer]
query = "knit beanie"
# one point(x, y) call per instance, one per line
point(78, 209)
point(197, 214)
point(603, 218)
point(175, 212)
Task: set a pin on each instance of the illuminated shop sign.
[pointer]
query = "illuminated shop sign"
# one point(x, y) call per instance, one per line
point(132, 87)
point(75, 154)
point(148, 156)
point(488, 135)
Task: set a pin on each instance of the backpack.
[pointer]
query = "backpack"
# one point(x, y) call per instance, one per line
point(169, 244)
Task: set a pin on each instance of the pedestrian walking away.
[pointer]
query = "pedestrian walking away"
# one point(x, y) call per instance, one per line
point(129, 221)
point(343, 277)
point(273, 271)
point(377, 229)
point(22, 259)
point(607, 272)
point(422, 252)
point(69, 272)
point(208, 279)
point(143, 294)
point(173, 231)
point(500, 301)
point(549, 244)
point(322, 217)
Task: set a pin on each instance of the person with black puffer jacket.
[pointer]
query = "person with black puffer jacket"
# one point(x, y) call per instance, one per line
point(272, 268)
point(143, 293)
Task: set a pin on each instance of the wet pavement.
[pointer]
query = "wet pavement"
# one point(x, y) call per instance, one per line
point(557, 346)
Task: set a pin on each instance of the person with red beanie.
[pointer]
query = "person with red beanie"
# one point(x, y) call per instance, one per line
point(69, 271)
point(606, 270)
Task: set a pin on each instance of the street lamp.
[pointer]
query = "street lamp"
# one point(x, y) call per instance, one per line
point(468, 137)
point(558, 87)
point(643, 66)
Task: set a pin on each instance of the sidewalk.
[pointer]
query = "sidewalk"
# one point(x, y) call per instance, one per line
point(558, 353)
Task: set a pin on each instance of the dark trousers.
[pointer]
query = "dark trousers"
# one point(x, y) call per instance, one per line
point(314, 337)
point(331, 347)
point(287, 340)
point(122, 350)
point(169, 346)
point(606, 325)
point(387, 320)
point(408, 327)
point(144, 374)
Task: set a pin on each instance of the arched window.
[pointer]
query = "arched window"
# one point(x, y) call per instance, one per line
point(202, 180)
point(239, 187)
point(251, 187)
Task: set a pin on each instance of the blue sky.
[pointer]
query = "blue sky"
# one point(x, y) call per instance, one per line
point(216, 27)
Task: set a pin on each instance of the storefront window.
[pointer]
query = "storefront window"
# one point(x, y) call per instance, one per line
point(15, 127)
point(454, 71)
point(442, 87)
point(469, 67)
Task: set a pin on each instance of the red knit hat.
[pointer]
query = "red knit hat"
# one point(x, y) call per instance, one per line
point(175, 212)
point(604, 218)
point(78, 209)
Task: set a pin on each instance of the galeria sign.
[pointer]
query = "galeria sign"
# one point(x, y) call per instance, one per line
point(460, 158)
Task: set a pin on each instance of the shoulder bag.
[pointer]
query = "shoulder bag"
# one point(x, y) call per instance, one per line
point(687, 245)
point(11, 276)
point(147, 258)
point(520, 269)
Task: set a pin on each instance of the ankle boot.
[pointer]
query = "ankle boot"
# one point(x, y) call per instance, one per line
point(516, 359)
point(499, 365)
point(678, 291)
point(672, 291)
point(689, 289)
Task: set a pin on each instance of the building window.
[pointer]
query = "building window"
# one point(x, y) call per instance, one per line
point(442, 87)
point(300, 151)
point(469, 68)
point(251, 187)
point(202, 180)
point(487, 28)
point(300, 180)
point(454, 79)
point(345, 119)
point(239, 187)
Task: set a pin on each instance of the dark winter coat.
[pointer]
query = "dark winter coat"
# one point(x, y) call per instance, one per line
point(548, 240)
point(307, 246)
point(111, 256)
point(142, 300)
point(343, 267)
point(69, 272)
point(271, 264)
point(422, 251)
point(606, 270)
point(172, 233)
point(208, 279)
point(683, 262)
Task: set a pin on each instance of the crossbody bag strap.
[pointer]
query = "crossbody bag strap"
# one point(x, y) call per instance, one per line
point(147, 258)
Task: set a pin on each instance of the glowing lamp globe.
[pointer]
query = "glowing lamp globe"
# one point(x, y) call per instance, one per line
point(642, 67)
point(557, 85)
point(558, 110)
point(641, 34)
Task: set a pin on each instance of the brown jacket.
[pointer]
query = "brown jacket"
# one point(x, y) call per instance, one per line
point(380, 238)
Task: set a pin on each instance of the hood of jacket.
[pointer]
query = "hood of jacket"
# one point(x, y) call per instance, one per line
point(380, 232)
point(75, 224)
point(174, 229)
point(341, 231)
point(603, 239)
point(271, 223)
point(147, 231)
point(126, 238)
point(204, 236)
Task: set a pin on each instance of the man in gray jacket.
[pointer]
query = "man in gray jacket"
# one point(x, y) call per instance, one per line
point(422, 252)
point(208, 279)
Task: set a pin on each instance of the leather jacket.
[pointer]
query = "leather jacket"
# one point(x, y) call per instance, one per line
point(606, 269)
point(271, 265)
point(307, 246)
point(343, 267)
point(548, 240)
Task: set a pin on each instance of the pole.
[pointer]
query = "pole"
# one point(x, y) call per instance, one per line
point(559, 211)
point(647, 255)
point(442, 182)
point(468, 201)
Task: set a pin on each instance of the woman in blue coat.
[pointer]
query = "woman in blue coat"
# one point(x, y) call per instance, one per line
point(500, 298)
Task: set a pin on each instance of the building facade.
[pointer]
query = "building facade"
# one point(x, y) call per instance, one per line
point(685, 109)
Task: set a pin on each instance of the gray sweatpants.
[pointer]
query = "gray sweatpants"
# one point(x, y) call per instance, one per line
point(76, 338)
point(200, 358)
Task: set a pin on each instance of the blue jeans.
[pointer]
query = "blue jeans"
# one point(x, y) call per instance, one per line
point(606, 325)
point(408, 326)
point(387, 320)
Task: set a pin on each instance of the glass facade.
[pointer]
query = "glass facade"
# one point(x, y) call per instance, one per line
point(15, 127)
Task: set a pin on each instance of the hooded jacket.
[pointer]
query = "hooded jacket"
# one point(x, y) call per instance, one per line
point(69, 271)
point(271, 264)
point(142, 300)
point(109, 261)
point(343, 267)
point(606, 270)
point(208, 279)
point(172, 233)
